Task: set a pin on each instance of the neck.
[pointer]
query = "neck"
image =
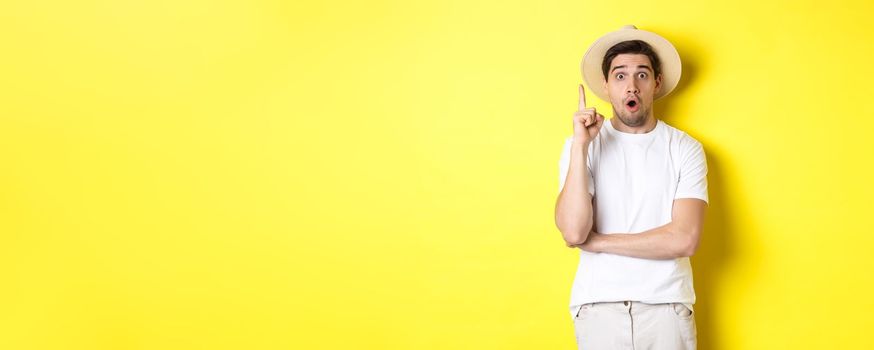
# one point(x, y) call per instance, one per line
point(646, 127)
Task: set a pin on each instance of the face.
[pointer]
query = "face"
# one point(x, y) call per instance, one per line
point(631, 87)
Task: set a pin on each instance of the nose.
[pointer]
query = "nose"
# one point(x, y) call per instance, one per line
point(632, 87)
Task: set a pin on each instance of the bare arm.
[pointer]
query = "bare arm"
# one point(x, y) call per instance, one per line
point(573, 208)
point(678, 238)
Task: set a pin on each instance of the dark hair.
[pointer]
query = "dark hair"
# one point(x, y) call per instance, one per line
point(631, 46)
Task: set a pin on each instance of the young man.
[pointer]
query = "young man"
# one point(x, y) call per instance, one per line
point(632, 196)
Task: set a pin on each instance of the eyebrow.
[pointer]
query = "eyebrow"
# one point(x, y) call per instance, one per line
point(623, 66)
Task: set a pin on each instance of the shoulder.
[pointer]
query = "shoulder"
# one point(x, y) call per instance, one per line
point(681, 140)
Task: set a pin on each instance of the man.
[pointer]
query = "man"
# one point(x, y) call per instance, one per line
point(632, 196)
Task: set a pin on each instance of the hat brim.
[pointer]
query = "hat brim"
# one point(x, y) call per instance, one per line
point(671, 66)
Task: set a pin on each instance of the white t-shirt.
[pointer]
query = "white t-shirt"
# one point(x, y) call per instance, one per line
point(634, 179)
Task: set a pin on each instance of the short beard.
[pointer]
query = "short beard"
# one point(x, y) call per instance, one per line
point(625, 119)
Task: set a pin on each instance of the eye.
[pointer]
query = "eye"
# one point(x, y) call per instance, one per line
point(620, 76)
point(641, 75)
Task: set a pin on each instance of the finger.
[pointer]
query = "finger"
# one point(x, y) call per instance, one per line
point(582, 98)
point(589, 112)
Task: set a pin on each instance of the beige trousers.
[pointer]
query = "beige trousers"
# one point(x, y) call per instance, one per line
point(635, 325)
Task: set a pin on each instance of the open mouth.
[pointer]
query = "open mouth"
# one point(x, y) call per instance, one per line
point(632, 105)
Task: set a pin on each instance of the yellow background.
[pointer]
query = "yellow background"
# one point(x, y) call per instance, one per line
point(325, 175)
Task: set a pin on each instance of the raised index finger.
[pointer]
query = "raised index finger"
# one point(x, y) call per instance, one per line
point(582, 98)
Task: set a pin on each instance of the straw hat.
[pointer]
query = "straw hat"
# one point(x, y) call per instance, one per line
point(670, 59)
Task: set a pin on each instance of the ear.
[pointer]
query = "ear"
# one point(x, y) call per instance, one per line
point(658, 83)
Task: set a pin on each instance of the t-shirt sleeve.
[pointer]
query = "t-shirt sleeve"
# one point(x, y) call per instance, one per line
point(564, 165)
point(693, 173)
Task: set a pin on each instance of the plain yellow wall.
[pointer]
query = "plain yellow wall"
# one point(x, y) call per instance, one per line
point(326, 175)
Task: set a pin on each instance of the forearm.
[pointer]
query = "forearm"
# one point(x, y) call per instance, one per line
point(668, 241)
point(573, 209)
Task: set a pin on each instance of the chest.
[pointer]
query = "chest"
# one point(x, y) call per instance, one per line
point(635, 172)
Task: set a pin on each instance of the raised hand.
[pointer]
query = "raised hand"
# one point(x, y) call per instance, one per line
point(587, 121)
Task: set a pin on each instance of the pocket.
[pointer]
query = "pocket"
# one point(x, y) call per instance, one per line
point(686, 323)
point(682, 311)
point(582, 324)
point(583, 311)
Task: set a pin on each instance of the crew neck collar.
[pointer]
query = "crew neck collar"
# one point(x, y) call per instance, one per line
point(629, 136)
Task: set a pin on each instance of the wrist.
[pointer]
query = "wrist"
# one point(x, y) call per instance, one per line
point(596, 242)
point(581, 143)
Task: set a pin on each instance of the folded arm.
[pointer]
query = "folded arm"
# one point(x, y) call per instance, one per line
point(678, 238)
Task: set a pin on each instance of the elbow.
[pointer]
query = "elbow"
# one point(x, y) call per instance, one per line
point(575, 235)
point(575, 239)
point(574, 224)
point(689, 245)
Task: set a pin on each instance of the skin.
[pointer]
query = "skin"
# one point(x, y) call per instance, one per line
point(573, 208)
point(630, 77)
